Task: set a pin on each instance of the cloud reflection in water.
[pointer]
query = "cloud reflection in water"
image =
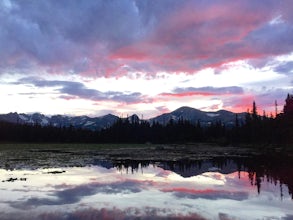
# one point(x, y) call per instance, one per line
point(150, 192)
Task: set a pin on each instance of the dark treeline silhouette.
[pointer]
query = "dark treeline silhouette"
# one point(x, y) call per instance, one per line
point(266, 129)
point(278, 172)
point(10, 132)
point(259, 129)
point(142, 131)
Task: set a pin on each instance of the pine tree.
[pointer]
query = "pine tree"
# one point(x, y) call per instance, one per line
point(288, 108)
point(254, 111)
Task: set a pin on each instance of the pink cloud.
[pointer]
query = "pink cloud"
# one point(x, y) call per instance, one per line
point(204, 91)
point(163, 109)
point(196, 37)
point(239, 104)
point(185, 36)
point(265, 101)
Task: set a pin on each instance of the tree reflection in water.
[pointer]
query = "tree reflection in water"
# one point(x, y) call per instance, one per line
point(260, 168)
point(216, 188)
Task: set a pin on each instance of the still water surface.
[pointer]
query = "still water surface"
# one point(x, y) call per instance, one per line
point(219, 188)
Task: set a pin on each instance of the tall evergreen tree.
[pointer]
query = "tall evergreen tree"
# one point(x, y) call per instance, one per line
point(288, 108)
point(254, 111)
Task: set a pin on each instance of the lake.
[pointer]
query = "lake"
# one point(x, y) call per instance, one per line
point(75, 184)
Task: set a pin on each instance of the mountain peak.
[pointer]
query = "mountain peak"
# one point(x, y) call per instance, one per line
point(97, 123)
point(195, 115)
point(186, 109)
point(134, 118)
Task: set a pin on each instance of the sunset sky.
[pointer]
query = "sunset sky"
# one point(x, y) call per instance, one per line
point(148, 57)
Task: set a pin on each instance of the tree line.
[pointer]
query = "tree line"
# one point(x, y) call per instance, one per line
point(256, 128)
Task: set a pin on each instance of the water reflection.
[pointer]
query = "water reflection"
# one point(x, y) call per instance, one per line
point(220, 188)
point(261, 168)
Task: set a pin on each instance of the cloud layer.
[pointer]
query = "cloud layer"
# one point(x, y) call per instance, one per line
point(113, 38)
point(248, 43)
point(77, 90)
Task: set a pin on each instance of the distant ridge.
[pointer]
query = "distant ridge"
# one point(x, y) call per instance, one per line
point(85, 122)
point(97, 123)
point(194, 116)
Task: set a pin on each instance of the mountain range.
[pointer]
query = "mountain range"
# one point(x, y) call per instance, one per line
point(97, 123)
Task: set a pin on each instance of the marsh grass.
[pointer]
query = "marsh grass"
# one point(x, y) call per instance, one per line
point(77, 146)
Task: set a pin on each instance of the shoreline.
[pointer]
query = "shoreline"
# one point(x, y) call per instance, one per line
point(34, 156)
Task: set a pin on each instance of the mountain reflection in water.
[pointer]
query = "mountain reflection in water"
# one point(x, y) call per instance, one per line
point(258, 187)
point(261, 168)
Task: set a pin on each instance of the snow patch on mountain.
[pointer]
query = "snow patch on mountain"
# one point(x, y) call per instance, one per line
point(213, 114)
point(22, 117)
point(44, 121)
point(88, 123)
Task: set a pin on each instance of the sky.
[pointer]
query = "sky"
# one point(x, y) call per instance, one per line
point(148, 57)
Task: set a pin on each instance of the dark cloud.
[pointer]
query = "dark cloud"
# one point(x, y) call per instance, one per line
point(211, 90)
point(270, 39)
point(60, 34)
point(75, 194)
point(163, 109)
point(152, 12)
point(286, 68)
point(288, 217)
point(265, 100)
point(73, 90)
point(213, 195)
point(203, 34)
point(75, 36)
point(110, 38)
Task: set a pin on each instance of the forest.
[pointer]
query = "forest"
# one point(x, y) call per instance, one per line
point(256, 129)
